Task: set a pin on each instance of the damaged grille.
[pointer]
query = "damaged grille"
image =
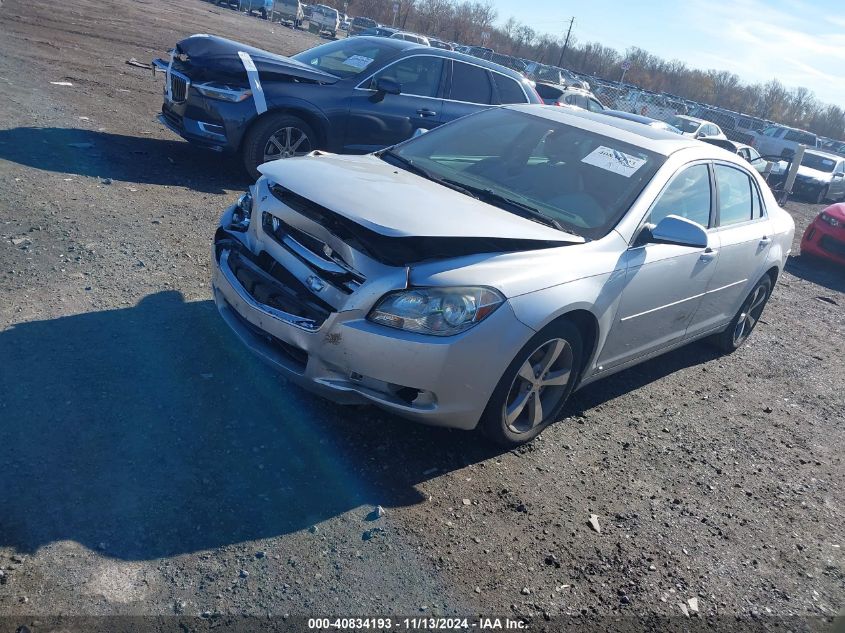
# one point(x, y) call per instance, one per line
point(268, 283)
point(315, 253)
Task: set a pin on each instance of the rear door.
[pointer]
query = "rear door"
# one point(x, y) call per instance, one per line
point(470, 89)
point(745, 236)
point(378, 120)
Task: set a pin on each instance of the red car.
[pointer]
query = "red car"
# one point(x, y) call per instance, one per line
point(825, 237)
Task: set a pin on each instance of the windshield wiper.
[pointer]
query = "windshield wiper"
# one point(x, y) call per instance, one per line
point(525, 210)
point(422, 171)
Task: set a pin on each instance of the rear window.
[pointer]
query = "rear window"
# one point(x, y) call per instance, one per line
point(820, 163)
point(801, 137)
point(548, 92)
point(365, 22)
point(470, 84)
point(509, 90)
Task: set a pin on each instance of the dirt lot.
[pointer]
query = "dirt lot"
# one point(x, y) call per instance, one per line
point(150, 465)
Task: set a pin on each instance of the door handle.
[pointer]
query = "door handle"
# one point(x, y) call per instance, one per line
point(709, 254)
point(426, 112)
point(765, 241)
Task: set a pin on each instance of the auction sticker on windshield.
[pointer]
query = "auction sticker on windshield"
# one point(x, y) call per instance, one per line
point(358, 61)
point(614, 160)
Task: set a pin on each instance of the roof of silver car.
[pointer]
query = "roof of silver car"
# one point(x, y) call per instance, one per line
point(651, 138)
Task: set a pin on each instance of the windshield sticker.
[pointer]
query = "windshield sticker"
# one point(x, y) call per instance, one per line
point(358, 61)
point(614, 160)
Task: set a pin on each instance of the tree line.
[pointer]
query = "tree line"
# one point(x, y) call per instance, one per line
point(472, 22)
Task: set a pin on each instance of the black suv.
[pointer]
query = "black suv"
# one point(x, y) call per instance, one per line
point(355, 95)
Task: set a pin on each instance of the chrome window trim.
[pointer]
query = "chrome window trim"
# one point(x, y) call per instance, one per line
point(764, 213)
point(445, 59)
point(401, 59)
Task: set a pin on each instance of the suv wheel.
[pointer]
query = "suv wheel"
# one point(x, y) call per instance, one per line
point(535, 387)
point(276, 136)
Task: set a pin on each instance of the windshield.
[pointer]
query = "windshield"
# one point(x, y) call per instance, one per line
point(814, 161)
point(583, 181)
point(347, 57)
point(684, 125)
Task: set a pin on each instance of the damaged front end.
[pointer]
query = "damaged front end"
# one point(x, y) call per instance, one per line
point(299, 286)
point(213, 87)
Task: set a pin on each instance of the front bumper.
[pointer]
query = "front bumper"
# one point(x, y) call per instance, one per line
point(209, 123)
point(807, 189)
point(443, 381)
point(822, 240)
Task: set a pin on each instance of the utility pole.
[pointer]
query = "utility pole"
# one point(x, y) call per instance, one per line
point(565, 43)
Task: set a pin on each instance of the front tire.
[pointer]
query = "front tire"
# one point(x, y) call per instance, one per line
point(745, 320)
point(535, 387)
point(276, 136)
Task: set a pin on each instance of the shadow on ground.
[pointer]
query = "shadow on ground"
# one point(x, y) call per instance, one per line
point(137, 159)
point(818, 271)
point(150, 431)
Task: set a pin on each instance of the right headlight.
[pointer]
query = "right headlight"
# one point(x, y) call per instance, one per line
point(436, 311)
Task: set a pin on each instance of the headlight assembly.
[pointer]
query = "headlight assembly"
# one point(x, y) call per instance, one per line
point(242, 212)
point(215, 90)
point(436, 311)
point(829, 219)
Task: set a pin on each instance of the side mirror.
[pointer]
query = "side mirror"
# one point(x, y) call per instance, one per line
point(700, 134)
point(386, 85)
point(676, 230)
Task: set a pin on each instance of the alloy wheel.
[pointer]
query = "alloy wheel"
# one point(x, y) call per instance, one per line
point(286, 142)
point(750, 315)
point(539, 386)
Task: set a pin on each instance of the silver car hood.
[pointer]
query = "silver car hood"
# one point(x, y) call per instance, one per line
point(815, 174)
point(394, 202)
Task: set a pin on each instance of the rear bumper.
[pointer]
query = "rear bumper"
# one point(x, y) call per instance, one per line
point(442, 381)
point(822, 240)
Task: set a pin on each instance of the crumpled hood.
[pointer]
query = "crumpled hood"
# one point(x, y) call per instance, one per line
point(396, 203)
point(213, 53)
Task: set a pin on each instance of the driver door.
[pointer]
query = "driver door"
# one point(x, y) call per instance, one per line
point(377, 119)
point(664, 283)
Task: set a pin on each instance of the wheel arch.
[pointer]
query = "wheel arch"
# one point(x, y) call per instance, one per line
point(588, 327)
point(317, 120)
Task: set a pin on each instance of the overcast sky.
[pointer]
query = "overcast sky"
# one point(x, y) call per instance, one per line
point(801, 43)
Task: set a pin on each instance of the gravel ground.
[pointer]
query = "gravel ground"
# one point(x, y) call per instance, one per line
point(151, 466)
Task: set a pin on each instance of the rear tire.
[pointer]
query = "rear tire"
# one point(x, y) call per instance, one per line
point(535, 387)
point(746, 318)
point(276, 136)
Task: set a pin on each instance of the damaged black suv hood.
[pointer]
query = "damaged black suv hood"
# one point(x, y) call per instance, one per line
point(217, 54)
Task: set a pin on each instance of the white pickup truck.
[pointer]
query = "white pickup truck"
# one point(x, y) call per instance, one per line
point(777, 140)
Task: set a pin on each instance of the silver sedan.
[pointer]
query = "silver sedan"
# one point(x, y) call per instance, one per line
point(478, 274)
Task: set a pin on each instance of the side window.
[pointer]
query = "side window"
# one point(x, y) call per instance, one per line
point(594, 106)
point(753, 155)
point(743, 153)
point(734, 189)
point(471, 84)
point(509, 90)
point(418, 75)
point(686, 195)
